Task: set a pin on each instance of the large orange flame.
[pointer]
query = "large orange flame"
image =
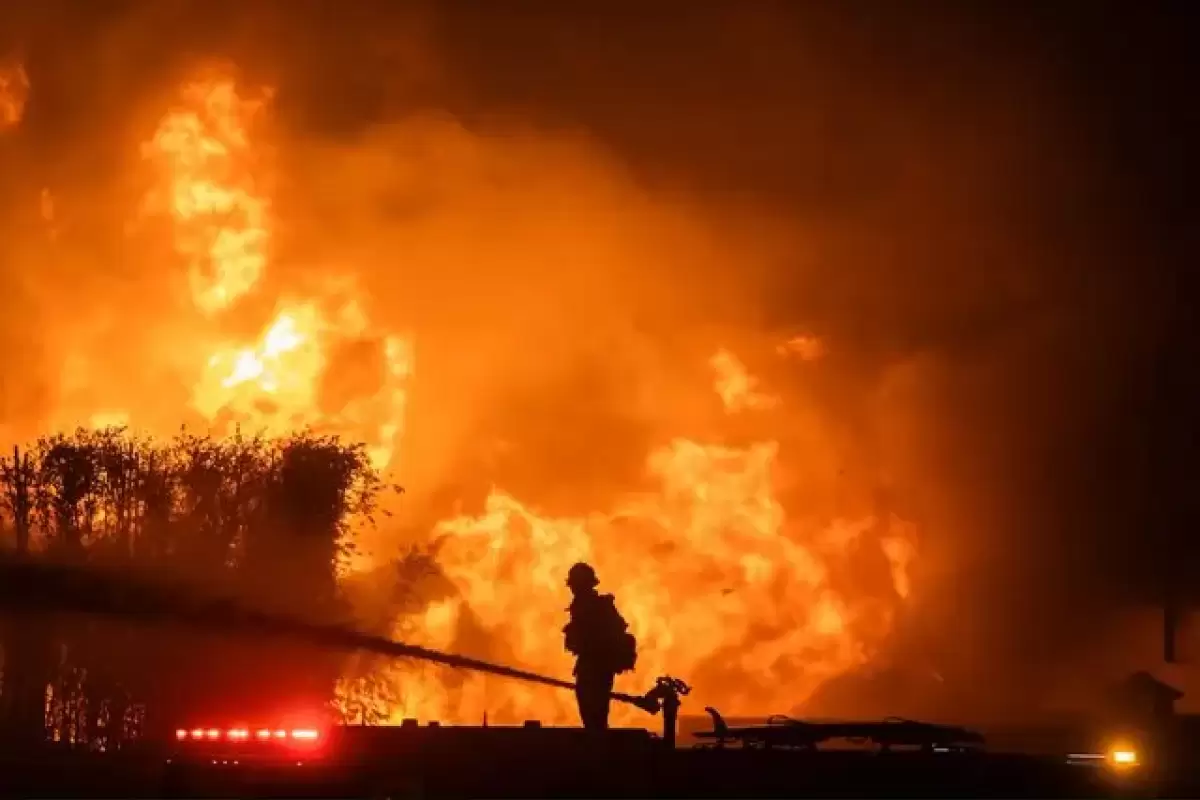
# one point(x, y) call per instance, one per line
point(720, 582)
point(715, 581)
point(222, 221)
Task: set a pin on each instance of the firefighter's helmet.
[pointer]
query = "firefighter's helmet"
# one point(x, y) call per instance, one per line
point(582, 576)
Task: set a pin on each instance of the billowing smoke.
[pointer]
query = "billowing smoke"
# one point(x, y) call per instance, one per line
point(570, 214)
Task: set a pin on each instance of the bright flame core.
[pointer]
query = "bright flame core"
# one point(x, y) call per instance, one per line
point(222, 224)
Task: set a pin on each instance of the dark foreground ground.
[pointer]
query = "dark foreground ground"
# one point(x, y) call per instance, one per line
point(579, 770)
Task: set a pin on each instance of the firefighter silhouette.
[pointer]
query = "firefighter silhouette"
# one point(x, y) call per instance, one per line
point(598, 637)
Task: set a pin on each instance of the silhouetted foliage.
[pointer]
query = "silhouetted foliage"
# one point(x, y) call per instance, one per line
point(268, 519)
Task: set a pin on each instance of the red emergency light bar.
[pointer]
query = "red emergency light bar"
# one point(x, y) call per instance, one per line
point(244, 734)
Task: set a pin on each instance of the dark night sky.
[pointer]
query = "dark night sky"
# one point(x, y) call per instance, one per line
point(695, 95)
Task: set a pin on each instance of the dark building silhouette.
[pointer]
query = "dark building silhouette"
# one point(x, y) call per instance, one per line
point(1142, 698)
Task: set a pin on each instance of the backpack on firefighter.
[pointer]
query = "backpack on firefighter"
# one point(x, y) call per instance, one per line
point(625, 657)
point(600, 636)
point(624, 646)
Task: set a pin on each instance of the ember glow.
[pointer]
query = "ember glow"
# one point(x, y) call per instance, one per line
point(14, 91)
point(805, 348)
point(723, 582)
point(737, 388)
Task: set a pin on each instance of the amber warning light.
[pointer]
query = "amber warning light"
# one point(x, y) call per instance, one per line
point(1123, 757)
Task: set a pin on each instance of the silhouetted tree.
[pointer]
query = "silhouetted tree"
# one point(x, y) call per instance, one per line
point(269, 519)
point(26, 648)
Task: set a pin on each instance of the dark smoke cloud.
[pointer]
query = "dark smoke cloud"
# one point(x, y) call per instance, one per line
point(926, 188)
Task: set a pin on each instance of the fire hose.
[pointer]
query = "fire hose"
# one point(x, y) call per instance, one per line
point(33, 586)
